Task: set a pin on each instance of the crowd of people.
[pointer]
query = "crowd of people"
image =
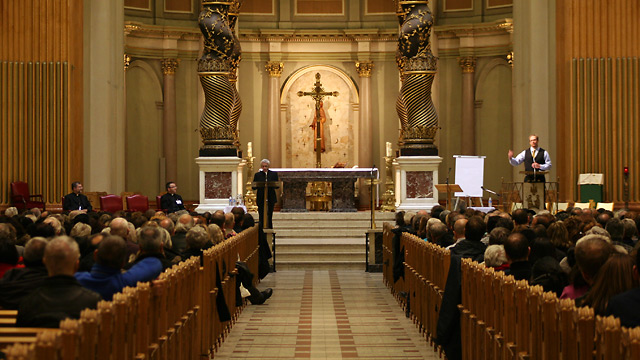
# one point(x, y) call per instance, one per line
point(590, 256)
point(54, 265)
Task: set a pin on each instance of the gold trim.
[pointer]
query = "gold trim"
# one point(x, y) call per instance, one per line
point(468, 64)
point(274, 68)
point(169, 66)
point(364, 68)
point(217, 3)
point(409, 2)
point(206, 73)
point(418, 72)
point(127, 61)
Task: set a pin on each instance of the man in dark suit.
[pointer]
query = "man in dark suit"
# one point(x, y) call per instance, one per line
point(171, 201)
point(261, 176)
point(76, 200)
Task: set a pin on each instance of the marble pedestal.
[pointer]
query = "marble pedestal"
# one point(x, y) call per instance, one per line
point(415, 179)
point(220, 178)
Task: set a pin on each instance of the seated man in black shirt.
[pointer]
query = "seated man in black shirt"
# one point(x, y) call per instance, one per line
point(76, 200)
point(171, 202)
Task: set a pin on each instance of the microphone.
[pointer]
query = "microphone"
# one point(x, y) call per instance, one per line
point(490, 191)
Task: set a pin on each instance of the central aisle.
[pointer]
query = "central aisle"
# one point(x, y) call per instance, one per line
point(325, 315)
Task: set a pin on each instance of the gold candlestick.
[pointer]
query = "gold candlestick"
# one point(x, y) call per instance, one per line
point(250, 196)
point(389, 196)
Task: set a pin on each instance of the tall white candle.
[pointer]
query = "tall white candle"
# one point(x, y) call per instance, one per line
point(388, 149)
point(249, 149)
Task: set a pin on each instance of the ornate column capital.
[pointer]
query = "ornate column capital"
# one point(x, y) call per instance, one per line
point(127, 61)
point(364, 68)
point(274, 68)
point(510, 58)
point(467, 63)
point(169, 66)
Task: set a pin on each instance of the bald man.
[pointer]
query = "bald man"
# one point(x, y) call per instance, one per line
point(61, 296)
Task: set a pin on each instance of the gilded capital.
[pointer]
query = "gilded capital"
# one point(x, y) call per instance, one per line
point(364, 68)
point(468, 64)
point(510, 58)
point(274, 68)
point(169, 66)
point(127, 61)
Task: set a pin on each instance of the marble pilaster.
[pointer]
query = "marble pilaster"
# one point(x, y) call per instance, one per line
point(468, 65)
point(365, 151)
point(220, 178)
point(169, 121)
point(274, 141)
point(416, 177)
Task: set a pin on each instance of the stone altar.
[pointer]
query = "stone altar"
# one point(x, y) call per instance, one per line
point(294, 185)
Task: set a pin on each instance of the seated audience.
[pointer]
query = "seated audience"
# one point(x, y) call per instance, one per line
point(150, 242)
point(496, 257)
point(470, 245)
point(229, 220)
point(238, 217)
point(17, 283)
point(547, 273)
point(215, 234)
point(625, 306)
point(61, 296)
point(247, 222)
point(197, 240)
point(591, 252)
point(184, 224)
point(613, 278)
point(517, 249)
point(106, 277)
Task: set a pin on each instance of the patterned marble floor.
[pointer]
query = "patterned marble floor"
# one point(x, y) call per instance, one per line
point(328, 314)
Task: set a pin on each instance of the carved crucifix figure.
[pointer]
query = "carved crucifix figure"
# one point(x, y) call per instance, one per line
point(318, 94)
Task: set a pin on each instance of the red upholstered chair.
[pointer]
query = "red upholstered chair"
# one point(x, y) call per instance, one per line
point(21, 199)
point(111, 203)
point(137, 203)
point(158, 201)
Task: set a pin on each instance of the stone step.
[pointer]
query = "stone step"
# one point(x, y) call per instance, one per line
point(318, 248)
point(320, 256)
point(302, 233)
point(324, 224)
point(320, 241)
point(320, 265)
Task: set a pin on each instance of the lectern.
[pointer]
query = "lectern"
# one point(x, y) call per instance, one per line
point(448, 188)
point(264, 187)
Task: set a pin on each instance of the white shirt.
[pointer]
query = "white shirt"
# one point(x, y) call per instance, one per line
point(520, 158)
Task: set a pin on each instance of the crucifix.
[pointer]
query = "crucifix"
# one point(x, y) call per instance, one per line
point(318, 94)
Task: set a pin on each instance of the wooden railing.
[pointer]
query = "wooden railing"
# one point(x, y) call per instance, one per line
point(502, 318)
point(173, 317)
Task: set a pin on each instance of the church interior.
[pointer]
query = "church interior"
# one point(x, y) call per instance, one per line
point(127, 96)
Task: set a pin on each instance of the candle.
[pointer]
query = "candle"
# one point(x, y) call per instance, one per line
point(249, 149)
point(388, 149)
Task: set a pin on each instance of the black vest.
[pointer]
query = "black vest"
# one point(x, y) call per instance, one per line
point(528, 159)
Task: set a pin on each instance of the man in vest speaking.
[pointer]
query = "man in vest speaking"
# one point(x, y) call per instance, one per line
point(535, 159)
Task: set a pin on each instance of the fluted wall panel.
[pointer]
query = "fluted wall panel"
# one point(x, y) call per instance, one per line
point(597, 85)
point(40, 96)
point(604, 115)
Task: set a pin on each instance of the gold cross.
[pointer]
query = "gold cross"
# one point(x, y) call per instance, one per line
point(318, 94)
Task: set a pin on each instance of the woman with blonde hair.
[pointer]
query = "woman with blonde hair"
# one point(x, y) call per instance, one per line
point(216, 234)
point(559, 236)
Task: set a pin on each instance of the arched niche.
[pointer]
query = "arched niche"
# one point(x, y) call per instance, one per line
point(297, 113)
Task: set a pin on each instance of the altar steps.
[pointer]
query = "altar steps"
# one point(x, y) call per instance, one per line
point(323, 240)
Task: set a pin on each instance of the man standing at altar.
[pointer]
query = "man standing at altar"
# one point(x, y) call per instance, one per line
point(261, 176)
point(535, 159)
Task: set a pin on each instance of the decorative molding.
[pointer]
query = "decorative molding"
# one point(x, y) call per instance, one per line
point(319, 35)
point(510, 58)
point(468, 64)
point(499, 26)
point(127, 61)
point(364, 68)
point(169, 66)
point(274, 68)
